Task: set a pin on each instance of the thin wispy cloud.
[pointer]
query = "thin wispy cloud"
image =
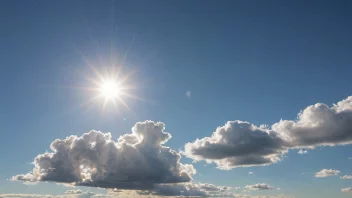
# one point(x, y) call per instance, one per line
point(260, 186)
point(74, 191)
point(347, 190)
point(346, 177)
point(327, 173)
point(189, 190)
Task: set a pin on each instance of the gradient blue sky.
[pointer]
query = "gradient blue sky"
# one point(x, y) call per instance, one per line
point(258, 61)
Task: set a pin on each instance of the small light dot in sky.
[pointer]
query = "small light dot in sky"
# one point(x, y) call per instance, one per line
point(188, 93)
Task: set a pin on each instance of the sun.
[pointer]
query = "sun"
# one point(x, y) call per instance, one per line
point(110, 89)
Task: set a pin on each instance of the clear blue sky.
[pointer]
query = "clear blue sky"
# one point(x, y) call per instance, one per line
point(256, 61)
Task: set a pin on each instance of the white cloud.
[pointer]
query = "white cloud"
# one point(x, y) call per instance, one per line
point(242, 144)
point(74, 191)
point(261, 186)
point(327, 173)
point(302, 152)
point(213, 188)
point(250, 173)
point(238, 144)
point(136, 164)
point(346, 189)
point(346, 177)
point(136, 161)
point(319, 125)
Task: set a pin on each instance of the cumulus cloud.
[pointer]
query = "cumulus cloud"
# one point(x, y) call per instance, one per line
point(346, 177)
point(238, 143)
point(135, 161)
point(319, 125)
point(302, 152)
point(347, 189)
point(250, 173)
point(261, 186)
point(241, 144)
point(327, 173)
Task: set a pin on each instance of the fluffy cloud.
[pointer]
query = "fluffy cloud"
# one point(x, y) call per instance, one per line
point(327, 173)
point(240, 143)
point(346, 177)
point(136, 161)
point(250, 173)
point(319, 125)
point(261, 186)
point(346, 189)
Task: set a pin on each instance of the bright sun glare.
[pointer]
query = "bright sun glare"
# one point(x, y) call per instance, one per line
point(110, 89)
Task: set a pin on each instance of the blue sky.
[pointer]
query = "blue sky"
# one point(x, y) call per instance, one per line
point(255, 61)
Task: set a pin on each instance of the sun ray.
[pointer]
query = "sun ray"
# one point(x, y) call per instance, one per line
point(123, 103)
